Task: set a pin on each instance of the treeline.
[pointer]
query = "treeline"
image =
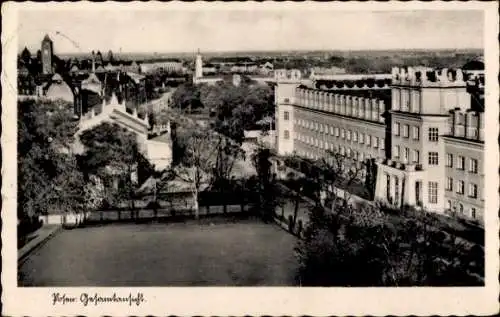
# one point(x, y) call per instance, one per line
point(364, 64)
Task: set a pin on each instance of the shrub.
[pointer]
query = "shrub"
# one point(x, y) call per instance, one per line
point(153, 205)
point(299, 228)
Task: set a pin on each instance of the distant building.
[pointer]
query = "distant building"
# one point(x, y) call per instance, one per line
point(158, 150)
point(327, 70)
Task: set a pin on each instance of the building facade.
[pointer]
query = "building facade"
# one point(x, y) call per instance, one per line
point(417, 138)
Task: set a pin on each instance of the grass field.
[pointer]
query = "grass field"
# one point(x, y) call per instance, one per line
point(213, 253)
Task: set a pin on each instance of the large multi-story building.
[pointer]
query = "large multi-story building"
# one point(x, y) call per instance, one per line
point(426, 135)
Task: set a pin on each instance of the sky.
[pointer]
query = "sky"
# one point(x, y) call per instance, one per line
point(174, 30)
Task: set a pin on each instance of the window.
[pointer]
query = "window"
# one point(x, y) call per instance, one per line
point(449, 184)
point(342, 132)
point(418, 186)
point(287, 134)
point(331, 130)
point(286, 115)
point(396, 128)
point(460, 187)
point(406, 131)
point(472, 190)
point(433, 134)
point(449, 160)
point(349, 135)
point(368, 140)
point(416, 156)
point(388, 187)
point(382, 144)
point(416, 133)
point(460, 162)
point(407, 154)
point(375, 142)
point(361, 138)
point(396, 189)
point(396, 151)
point(433, 192)
point(473, 212)
point(461, 208)
point(355, 136)
point(473, 166)
point(448, 205)
point(433, 158)
point(337, 132)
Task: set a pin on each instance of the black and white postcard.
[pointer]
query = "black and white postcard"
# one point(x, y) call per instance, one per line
point(250, 158)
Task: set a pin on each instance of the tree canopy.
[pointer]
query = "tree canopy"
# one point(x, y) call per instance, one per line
point(236, 108)
point(48, 178)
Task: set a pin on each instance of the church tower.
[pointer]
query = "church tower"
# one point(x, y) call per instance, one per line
point(47, 51)
point(198, 66)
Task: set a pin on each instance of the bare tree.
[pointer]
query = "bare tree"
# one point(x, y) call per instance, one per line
point(227, 153)
point(197, 164)
point(335, 170)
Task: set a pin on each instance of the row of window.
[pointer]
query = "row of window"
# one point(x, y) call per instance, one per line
point(459, 208)
point(460, 163)
point(460, 187)
point(368, 111)
point(415, 155)
point(433, 157)
point(348, 152)
point(404, 130)
point(361, 138)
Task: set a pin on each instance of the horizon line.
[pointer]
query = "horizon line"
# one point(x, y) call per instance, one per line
point(273, 51)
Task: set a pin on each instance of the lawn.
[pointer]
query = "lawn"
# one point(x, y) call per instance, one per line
point(211, 253)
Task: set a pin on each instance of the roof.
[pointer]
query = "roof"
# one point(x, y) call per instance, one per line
point(57, 77)
point(165, 138)
point(135, 77)
point(60, 91)
point(46, 38)
point(92, 79)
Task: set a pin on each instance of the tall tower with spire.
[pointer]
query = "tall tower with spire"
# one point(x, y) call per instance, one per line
point(47, 51)
point(198, 66)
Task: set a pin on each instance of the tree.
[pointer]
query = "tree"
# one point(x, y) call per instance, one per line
point(364, 246)
point(110, 56)
point(267, 189)
point(332, 171)
point(26, 56)
point(45, 163)
point(226, 153)
point(112, 153)
point(186, 97)
point(197, 164)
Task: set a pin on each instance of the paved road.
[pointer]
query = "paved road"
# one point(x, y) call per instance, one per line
point(247, 253)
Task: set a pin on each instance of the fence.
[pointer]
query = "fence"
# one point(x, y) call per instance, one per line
point(174, 207)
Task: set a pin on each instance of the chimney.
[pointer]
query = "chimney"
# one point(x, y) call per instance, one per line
point(93, 62)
